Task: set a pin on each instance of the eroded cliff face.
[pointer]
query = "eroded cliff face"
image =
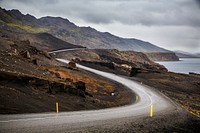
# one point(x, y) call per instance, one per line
point(159, 56)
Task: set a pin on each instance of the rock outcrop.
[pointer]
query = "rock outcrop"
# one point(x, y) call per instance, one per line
point(123, 62)
point(71, 65)
point(161, 56)
point(25, 54)
point(52, 87)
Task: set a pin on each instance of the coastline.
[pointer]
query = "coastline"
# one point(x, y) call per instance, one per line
point(184, 65)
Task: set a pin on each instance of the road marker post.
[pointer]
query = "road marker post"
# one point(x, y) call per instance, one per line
point(151, 111)
point(136, 99)
point(56, 107)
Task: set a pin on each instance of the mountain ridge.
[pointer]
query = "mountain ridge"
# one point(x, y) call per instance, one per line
point(85, 36)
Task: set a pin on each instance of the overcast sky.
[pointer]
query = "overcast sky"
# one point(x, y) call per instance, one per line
point(171, 24)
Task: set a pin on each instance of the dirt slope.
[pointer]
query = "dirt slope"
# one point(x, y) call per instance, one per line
point(32, 81)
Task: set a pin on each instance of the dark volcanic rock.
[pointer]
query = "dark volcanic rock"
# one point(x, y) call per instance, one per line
point(25, 54)
point(80, 85)
point(52, 87)
point(35, 61)
point(109, 65)
point(72, 65)
point(134, 71)
point(192, 73)
point(114, 60)
point(46, 54)
point(81, 88)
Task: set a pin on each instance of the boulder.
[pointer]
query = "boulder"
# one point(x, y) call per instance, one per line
point(72, 65)
point(25, 54)
point(46, 54)
point(134, 71)
point(75, 60)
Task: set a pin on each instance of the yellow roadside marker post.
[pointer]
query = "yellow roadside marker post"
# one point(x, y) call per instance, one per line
point(56, 107)
point(151, 110)
point(136, 99)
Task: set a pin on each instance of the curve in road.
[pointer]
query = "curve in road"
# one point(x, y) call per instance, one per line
point(71, 121)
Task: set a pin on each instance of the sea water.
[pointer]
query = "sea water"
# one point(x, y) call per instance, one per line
point(185, 65)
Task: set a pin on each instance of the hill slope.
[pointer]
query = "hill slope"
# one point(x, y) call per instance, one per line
point(91, 38)
point(67, 31)
point(17, 26)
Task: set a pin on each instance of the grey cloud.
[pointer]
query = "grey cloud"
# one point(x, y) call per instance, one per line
point(198, 2)
point(140, 12)
point(33, 2)
point(137, 12)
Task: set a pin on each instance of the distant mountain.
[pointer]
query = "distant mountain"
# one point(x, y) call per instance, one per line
point(91, 38)
point(198, 54)
point(69, 32)
point(183, 54)
point(17, 26)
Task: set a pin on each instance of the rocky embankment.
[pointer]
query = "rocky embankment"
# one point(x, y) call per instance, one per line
point(122, 62)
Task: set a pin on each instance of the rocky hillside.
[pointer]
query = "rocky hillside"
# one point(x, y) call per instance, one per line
point(122, 62)
point(158, 56)
point(67, 31)
point(32, 81)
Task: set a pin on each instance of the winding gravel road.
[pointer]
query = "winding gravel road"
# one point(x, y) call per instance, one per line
point(79, 121)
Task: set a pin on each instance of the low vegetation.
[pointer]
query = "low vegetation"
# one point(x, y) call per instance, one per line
point(27, 28)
